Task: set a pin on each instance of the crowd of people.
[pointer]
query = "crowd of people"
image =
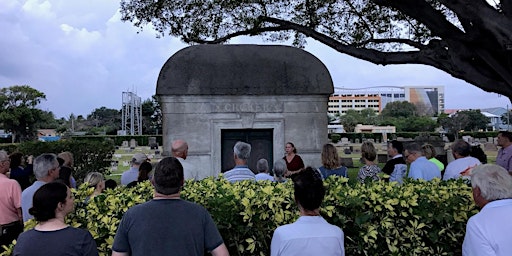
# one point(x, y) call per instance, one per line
point(170, 225)
point(40, 190)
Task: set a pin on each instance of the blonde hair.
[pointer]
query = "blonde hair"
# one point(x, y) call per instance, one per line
point(67, 157)
point(428, 151)
point(368, 151)
point(330, 158)
point(93, 178)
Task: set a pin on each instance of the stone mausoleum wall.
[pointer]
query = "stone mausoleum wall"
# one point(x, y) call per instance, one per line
point(207, 88)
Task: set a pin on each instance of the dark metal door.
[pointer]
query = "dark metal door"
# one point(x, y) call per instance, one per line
point(261, 141)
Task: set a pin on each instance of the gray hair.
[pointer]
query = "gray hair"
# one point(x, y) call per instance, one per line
point(3, 155)
point(493, 180)
point(262, 165)
point(279, 168)
point(44, 163)
point(242, 150)
point(413, 148)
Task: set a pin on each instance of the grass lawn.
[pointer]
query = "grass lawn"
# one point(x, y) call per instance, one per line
point(124, 156)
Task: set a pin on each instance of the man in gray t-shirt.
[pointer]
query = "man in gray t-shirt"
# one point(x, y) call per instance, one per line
point(168, 225)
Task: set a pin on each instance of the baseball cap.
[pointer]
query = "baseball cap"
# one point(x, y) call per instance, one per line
point(139, 158)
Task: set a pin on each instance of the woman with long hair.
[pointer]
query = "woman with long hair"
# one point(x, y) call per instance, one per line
point(370, 170)
point(331, 162)
point(96, 181)
point(145, 170)
point(294, 162)
point(430, 153)
point(52, 236)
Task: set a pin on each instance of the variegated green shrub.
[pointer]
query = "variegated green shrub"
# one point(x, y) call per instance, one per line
point(416, 218)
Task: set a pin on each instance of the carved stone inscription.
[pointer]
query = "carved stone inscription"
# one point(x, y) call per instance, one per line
point(252, 107)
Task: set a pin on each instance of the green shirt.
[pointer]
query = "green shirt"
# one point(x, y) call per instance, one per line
point(438, 163)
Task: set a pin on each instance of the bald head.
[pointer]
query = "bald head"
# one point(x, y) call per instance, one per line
point(179, 149)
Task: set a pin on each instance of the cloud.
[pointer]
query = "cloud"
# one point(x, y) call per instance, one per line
point(41, 9)
point(82, 56)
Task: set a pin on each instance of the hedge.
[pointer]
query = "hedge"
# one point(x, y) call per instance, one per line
point(88, 155)
point(411, 135)
point(142, 140)
point(416, 218)
point(378, 136)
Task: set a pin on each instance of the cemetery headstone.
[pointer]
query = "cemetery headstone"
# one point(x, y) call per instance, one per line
point(133, 144)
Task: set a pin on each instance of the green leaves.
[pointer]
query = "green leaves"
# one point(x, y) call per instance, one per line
point(416, 218)
point(18, 112)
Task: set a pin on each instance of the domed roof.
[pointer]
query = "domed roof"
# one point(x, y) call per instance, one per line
point(243, 70)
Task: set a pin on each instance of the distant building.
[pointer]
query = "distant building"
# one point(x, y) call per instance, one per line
point(363, 128)
point(493, 114)
point(47, 135)
point(335, 128)
point(494, 120)
point(498, 123)
point(4, 134)
point(428, 99)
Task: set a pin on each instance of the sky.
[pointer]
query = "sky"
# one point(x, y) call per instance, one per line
point(82, 56)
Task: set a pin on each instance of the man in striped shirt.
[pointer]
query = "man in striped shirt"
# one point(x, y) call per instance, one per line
point(241, 153)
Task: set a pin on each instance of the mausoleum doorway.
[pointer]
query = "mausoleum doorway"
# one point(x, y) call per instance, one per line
point(261, 141)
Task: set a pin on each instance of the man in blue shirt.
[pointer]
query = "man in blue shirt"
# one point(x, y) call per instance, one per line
point(262, 168)
point(133, 173)
point(421, 167)
point(46, 169)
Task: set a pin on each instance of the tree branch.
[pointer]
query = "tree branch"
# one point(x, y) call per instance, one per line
point(249, 32)
point(506, 7)
point(349, 3)
point(423, 12)
point(451, 58)
point(371, 55)
point(391, 40)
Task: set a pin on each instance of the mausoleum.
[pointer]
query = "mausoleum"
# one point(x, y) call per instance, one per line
point(215, 95)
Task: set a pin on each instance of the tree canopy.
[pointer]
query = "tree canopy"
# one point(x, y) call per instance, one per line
point(106, 119)
point(18, 112)
point(468, 120)
point(151, 116)
point(399, 109)
point(399, 114)
point(469, 39)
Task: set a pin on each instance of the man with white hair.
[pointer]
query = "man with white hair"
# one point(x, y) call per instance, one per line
point(10, 204)
point(46, 169)
point(262, 168)
point(488, 232)
point(241, 153)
